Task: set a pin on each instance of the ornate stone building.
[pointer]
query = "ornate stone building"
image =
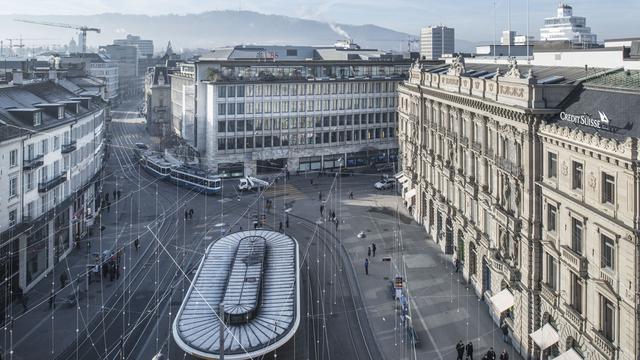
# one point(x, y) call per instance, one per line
point(472, 142)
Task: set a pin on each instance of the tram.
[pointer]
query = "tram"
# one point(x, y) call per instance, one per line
point(156, 165)
point(196, 179)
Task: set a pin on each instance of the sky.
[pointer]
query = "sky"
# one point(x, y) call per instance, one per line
point(472, 19)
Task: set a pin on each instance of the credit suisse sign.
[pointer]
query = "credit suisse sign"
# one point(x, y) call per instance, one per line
point(587, 120)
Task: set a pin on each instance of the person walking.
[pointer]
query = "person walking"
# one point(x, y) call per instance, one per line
point(108, 206)
point(369, 251)
point(320, 195)
point(136, 244)
point(280, 227)
point(106, 196)
point(351, 195)
point(63, 279)
point(373, 249)
point(191, 213)
point(337, 222)
point(321, 210)
point(118, 193)
point(311, 181)
point(469, 349)
point(366, 266)
point(286, 221)
point(456, 263)
point(460, 350)
point(491, 355)
point(505, 331)
point(186, 214)
point(114, 194)
point(504, 355)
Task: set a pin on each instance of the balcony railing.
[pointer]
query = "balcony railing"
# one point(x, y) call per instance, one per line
point(67, 148)
point(548, 294)
point(26, 219)
point(476, 146)
point(603, 344)
point(33, 163)
point(50, 184)
point(573, 317)
point(509, 166)
point(576, 261)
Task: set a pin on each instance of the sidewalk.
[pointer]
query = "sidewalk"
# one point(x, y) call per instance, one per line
point(443, 308)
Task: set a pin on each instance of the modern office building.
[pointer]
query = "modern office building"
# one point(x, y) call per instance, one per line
point(566, 27)
point(145, 47)
point(253, 109)
point(436, 41)
point(125, 57)
point(526, 176)
point(95, 65)
point(52, 148)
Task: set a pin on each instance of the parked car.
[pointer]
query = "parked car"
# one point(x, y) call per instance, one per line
point(142, 146)
point(384, 184)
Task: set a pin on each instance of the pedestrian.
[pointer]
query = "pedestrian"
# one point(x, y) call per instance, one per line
point(311, 181)
point(191, 212)
point(114, 194)
point(286, 221)
point(117, 270)
point(105, 269)
point(470, 350)
point(351, 195)
point(366, 266)
point(337, 222)
point(369, 251)
point(52, 299)
point(321, 210)
point(112, 271)
point(320, 195)
point(106, 196)
point(24, 300)
point(63, 279)
point(460, 350)
point(186, 214)
point(118, 192)
point(491, 355)
point(456, 263)
point(504, 355)
point(108, 206)
point(280, 227)
point(505, 331)
point(136, 244)
point(373, 248)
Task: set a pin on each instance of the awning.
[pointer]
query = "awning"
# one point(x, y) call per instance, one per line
point(545, 336)
point(401, 177)
point(409, 194)
point(502, 301)
point(569, 355)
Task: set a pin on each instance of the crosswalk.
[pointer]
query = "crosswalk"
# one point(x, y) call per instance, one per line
point(281, 190)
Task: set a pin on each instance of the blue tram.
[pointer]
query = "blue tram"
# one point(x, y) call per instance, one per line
point(196, 179)
point(156, 165)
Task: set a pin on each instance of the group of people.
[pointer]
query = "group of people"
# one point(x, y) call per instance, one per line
point(371, 250)
point(465, 352)
point(188, 214)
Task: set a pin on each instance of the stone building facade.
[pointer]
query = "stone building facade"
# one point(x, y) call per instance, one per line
point(472, 150)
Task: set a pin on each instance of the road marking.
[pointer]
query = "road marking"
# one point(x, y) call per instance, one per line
point(424, 324)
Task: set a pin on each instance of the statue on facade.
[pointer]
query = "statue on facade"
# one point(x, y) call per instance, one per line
point(504, 244)
point(514, 71)
point(457, 67)
point(506, 194)
point(514, 253)
point(516, 197)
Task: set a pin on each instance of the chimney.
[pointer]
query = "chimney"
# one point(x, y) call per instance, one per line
point(53, 75)
point(17, 77)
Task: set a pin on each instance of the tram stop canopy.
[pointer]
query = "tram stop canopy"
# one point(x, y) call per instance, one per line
point(255, 274)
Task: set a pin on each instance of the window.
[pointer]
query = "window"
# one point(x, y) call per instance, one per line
point(607, 319)
point(231, 109)
point(576, 236)
point(45, 146)
point(56, 143)
point(552, 165)
point(222, 109)
point(13, 158)
point(240, 91)
point(608, 189)
point(551, 273)
point(13, 187)
point(28, 181)
point(608, 252)
point(292, 52)
point(221, 126)
point(37, 118)
point(222, 91)
point(577, 176)
point(576, 293)
point(13, 217)
point(231, 91)
point(551, 218)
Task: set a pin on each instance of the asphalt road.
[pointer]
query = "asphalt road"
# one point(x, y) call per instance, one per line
point(133, 320)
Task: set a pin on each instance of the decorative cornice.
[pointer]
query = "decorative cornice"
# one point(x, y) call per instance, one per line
point(592, 140)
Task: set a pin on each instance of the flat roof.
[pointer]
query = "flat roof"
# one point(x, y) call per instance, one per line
point(277, 315)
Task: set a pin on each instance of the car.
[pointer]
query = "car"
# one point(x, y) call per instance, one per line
point(142, 146)
point(384, 184)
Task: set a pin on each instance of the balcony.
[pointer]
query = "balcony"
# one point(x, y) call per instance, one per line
point(476, 146)
point(451, 136)
point(548, 294)
point(573, 317)
point(603, 344)
point(33, 163)
point(509, 167)
point(578, 262)
point(510, 274)
point(27, 219)
point(67, 148)
point(50, 184)
point(464, 141)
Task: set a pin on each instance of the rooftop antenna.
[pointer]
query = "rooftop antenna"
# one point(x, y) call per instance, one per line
point(494, 30)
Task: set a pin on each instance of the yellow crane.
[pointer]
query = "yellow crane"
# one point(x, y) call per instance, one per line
point(82, 37)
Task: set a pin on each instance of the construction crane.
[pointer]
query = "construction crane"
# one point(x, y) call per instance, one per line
point(82, 36)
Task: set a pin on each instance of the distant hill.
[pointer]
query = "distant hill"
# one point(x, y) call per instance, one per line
point(207, 30)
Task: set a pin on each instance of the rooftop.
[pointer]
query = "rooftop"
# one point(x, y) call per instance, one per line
point(256, 273)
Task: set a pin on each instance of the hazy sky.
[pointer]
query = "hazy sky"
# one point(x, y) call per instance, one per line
point(473, 19)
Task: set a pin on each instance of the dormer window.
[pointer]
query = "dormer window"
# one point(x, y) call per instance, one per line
point(60, 112)
point(37, 118)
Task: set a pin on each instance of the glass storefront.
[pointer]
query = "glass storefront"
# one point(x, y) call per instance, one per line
point(37, 252)
point(312, 163)
point(357, 159)
point(229, 170)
